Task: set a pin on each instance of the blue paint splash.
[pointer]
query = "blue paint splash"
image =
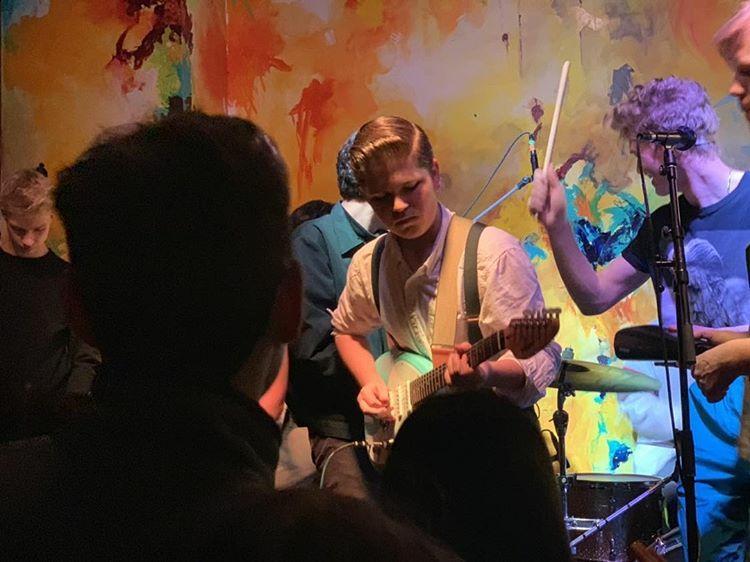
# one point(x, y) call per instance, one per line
point(601, 426)
point(622, 81)
point(535, 252)
point(619, 453)
point(611, 229)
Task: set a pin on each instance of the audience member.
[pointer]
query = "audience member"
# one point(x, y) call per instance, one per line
point(472, 469)
point(45, 368)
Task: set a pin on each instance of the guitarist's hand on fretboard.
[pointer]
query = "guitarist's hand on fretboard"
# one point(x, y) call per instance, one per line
point(373, 399)
point(458, 372)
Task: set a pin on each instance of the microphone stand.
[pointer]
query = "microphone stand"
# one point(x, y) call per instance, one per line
point(526, 180)
point(685, 350)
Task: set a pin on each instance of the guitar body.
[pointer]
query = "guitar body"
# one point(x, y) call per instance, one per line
point(397, 369)
point(411, 378)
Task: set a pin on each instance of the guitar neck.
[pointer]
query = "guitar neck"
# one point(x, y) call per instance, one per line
point(431, 382)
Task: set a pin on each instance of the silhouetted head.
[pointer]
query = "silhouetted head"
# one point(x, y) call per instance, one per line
point(472, 469)
point(178, 235)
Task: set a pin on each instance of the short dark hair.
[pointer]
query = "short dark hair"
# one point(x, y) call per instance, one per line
point(348, 185)
point(179, 239)
point(309, 211)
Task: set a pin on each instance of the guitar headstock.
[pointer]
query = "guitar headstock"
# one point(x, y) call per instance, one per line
point(529, 335)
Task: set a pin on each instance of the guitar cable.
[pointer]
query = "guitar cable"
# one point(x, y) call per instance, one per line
point(357, 444)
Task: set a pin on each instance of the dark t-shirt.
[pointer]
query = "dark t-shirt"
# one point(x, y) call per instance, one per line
point(38, 353)
point(715, 240)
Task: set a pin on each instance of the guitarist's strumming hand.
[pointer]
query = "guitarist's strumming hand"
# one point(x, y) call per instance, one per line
point(373, 399)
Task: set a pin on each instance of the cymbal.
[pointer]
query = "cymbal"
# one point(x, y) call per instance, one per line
point(582, 375)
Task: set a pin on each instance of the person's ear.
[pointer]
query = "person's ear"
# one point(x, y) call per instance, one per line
point(77, 315)
point(437, 181)
point(287, 308)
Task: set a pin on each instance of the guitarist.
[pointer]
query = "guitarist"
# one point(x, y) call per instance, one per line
point(393, 162)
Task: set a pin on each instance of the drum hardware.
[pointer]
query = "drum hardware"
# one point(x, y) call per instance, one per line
point(560, 419)
point(644, 343)
point(584, 376)
point(591, 527)
point(669, 545)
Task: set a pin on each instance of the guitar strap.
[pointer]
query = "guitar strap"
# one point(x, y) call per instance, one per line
point(462, 238)
point(471, 283)
point(377, 253)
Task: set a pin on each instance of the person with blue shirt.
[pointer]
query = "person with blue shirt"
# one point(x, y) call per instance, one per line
point(322, 393)
point(714, 204)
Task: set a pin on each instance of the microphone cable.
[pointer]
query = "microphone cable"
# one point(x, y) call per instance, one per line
point(497, 168)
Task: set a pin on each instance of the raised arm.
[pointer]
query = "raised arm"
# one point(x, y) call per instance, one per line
point(593, 291)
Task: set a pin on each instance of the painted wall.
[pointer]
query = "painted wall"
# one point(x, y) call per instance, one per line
point(473, 73)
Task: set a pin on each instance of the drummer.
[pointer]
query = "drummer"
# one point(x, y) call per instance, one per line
point(715, 204)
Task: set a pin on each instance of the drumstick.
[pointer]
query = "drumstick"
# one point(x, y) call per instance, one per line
point(556, 116)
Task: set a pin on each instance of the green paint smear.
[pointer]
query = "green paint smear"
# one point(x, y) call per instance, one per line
point(173, 78)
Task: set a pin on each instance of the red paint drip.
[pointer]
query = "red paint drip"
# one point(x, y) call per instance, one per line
point(537, 110)
point(586, 154)
point(312, 115)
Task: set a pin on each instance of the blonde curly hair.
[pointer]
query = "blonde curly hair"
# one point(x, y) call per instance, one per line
point(664, 104)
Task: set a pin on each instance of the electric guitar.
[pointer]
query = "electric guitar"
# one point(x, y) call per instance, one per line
point(411, 378)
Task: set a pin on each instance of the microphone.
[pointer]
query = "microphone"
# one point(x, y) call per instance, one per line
point(532, 154)
point(681, 139)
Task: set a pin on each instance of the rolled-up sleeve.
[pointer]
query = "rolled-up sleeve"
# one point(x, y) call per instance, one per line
point(508, 286)
point(356, 313)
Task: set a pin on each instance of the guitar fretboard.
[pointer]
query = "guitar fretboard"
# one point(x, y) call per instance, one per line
point(431, 382)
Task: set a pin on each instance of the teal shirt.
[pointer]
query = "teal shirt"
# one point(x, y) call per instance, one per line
point(322, 393)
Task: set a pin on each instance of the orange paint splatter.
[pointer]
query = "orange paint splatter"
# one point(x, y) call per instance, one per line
point(253, 46)
point(695, 22)
point(211, 59)
point(448, 14)
point(312, 116)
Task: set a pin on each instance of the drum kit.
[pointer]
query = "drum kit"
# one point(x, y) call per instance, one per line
point(605, 513)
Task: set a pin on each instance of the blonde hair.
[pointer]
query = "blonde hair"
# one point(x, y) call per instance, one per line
point(729, 35)
point(664, 104)
point(25, 192)
point(388, 139)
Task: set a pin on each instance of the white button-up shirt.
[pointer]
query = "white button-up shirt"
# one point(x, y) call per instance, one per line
point(507, 287)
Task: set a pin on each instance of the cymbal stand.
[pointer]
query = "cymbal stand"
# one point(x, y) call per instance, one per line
point(560, 419)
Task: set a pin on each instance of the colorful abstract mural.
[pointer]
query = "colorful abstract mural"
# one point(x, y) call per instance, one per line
point(474, 73)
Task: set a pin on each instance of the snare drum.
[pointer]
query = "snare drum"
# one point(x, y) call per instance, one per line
point(595, 496)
